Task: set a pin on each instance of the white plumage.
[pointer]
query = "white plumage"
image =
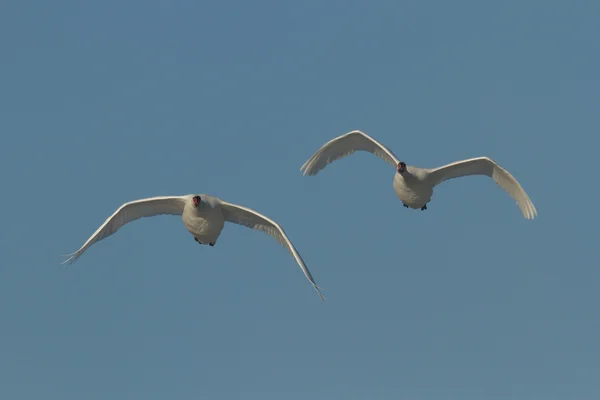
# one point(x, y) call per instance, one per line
point(203, 216)
point(414, 185)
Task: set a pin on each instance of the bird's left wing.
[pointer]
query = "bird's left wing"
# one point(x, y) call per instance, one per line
point(488, 167)
point(128, 212)
point(343, 146)
point(252, 219)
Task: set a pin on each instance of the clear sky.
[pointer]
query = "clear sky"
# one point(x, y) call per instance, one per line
point(106, 102)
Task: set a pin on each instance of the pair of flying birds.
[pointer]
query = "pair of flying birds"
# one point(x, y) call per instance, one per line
point(204, 216)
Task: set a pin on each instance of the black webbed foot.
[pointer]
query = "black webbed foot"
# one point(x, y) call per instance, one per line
point(424, 207)
point(211, 244)
point(405, 206)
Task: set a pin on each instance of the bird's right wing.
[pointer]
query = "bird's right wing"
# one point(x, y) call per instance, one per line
point(343, 146)
point(252, 219)
point(486, 166)
point(128, 212)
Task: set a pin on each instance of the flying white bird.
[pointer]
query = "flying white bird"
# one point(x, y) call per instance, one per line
point(204, 217)
point(414, 185)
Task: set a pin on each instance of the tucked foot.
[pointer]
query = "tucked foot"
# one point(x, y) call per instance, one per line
point(424, 207)
point(211, 244)
point(196, 239)
point(405, 206)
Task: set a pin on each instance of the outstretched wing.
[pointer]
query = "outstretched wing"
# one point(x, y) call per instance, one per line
point(343, 146)
point(130, 212)
point(252, 219)
point(486, 166)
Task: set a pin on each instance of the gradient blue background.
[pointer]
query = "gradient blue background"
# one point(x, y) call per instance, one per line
point(106, 102)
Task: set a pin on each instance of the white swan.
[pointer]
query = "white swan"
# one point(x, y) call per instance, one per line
point(204, 217)
point(414, 185)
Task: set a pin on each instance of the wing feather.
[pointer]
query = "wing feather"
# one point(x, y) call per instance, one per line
point(343, 146)
point(252, 219)
point(128, 212)
point(488, 167)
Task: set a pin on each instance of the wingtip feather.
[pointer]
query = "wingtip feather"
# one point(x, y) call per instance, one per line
point(71, 258)
point(318, 289)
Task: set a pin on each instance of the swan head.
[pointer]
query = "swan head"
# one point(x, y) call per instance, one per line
point(196, 200)
point(401, 167)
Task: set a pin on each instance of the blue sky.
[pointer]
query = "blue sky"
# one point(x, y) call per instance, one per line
point(106, 102)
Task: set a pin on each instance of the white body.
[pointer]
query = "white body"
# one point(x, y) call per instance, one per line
point(412, 191)
point(413, 185)
point(203, 216)
point(205, 224)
